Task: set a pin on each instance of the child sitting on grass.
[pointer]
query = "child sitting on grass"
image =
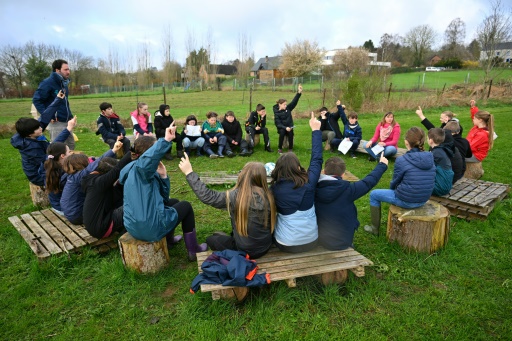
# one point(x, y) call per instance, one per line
point(191, 137)
point(213, 133)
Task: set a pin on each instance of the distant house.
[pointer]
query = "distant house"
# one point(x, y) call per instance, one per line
point(434, 60)
point(502, 50)
point(329, 58)
point(216, 71)
point(267, 68)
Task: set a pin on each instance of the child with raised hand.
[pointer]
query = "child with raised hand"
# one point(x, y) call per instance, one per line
point(351, 130)
point(32, 145)
point(141, 119)
point(336, 212)
point(149, 214)
point(481, 136)
point(163, 119)
point(413, 179)
point(294, 193)
point(55, 177)
point(284, 121)
point(250, 205)
point(191, 136)
point(77, 166)
point(213, 133)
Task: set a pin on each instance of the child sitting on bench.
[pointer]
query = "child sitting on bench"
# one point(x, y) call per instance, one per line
point(250, 205)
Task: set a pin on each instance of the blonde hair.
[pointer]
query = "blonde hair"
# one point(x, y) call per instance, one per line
point(251, 182)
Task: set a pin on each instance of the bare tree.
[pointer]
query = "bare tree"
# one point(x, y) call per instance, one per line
point(245, 58)
point(12, 61)
point(79, 64)
point(144, 64)
point(190, 46)
point(389, 49)
point(301, 57)
point(169, 72)
point(350, 60)
point(114, 65)
point(454, 36)
point(496, 28)
point(419, 41)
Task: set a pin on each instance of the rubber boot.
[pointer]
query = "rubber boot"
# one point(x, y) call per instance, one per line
point(172, 239)
point(220, 150)
point(375, 219)
point(192, 247)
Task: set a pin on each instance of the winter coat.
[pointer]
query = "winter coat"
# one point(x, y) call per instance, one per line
point(331, 122)
point(45, 96)
point(145, 216)
point(478, 139)
point(109, 127)
point(229, 268)
point(232, 131)
point(33, 154)
point(296, 219)
point(353, 133)
point(336, 212)
point(444, 172)
point(414, 176)
point(72, 199)
point(102, 197)
point(283, 118)
point(255, 120)
point(259, 237)
point(162, 122)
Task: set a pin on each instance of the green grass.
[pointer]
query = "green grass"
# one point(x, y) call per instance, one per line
point(461, 292)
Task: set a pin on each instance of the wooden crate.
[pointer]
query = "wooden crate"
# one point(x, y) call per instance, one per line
point(48, 233)
point(282, 266)
point(221, 178)
point(473, 199)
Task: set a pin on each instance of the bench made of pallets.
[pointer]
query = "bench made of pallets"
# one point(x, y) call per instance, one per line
point(281, 266)
point(473, 199)
point(221, 178)
point(360, 149)
point(48, 233)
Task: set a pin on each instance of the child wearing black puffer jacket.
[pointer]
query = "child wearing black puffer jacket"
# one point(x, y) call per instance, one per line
point(163, 120)
point(284, 120)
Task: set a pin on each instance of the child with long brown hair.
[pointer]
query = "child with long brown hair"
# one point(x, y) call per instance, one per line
point(387, 134)
point(413, 179)
point(294, 192)
point(481, 136)
point(284, 121)
point(55, 177)
point(250, 205)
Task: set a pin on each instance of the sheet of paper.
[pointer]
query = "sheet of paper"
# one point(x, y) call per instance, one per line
point(377, 149)
point(193, 130)
point(345, 146)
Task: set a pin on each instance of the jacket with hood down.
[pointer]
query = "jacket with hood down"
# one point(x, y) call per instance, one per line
point(45, 96)
point(444, 172)
point(109, 127)
point(336, 212)
point(145, 215)
point(331, 122)
point(414, 176)
point(283, 118)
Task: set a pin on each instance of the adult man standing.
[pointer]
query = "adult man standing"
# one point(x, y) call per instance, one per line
point(45, 95)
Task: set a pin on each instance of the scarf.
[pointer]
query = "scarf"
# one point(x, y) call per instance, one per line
point(385, 132)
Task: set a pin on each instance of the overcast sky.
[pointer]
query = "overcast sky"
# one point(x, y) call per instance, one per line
point(93, 26)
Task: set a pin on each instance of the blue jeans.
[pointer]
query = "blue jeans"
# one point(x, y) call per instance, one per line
point(388, 195)
point(388, 151)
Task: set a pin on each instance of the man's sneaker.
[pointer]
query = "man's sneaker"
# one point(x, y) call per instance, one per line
point(213, 156)
point(352, 155)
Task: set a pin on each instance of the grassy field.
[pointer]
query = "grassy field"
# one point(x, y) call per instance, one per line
point(461, 292)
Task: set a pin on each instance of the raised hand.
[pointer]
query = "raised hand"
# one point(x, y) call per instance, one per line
point(71, 124)
point(170, 132)
point(185, 165)
point(314, 123)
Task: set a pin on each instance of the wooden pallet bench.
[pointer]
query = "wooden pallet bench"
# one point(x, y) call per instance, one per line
point(473, 199)
point(332, 267)
point(48, 233)
point(221, 178)
point(360, 149)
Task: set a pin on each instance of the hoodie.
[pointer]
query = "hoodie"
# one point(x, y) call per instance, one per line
point(444, 172)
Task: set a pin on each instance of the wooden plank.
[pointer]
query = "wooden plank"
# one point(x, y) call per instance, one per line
point(64, 228)
point(45, 239)
point(32, 241)
point(82, 232)
point(53, 232)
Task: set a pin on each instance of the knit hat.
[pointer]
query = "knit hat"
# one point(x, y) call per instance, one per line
point(163, 107)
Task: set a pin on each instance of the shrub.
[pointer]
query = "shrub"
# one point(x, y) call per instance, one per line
point(354, 93)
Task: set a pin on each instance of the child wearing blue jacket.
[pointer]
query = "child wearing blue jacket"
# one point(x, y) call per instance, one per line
point(442, 153)
point(294, 194)
point(352, 130)
point(148, 212)
point(412, 183)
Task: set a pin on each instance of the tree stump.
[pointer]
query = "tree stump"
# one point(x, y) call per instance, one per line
point(39, 195)
point(285, 142)
point(143, 257)
point(237, 293)
point(335, 277)
point(474, 170)
point(256, 139)
point(423, 229)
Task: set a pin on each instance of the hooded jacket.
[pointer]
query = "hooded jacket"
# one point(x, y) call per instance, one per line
point(46, 93)
point(444, 172)
point(255, 120)
point(145, 215)
point(336, 212)
point(259, 237)
point(109, 127)
point(353, 133)
point(232, 130)
point(33, 154)
point(283, 118)
point(162, 122)
point(414, 176)
point(331, 122)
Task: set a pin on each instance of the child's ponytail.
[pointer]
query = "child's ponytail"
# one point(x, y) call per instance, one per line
point(53, 167)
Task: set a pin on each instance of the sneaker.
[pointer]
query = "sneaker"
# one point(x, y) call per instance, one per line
point(244, 153)
point(179, 154)
point(221, 155)
point(213, 156)
point(231, 154)
point(280, 151)
point(352, 155)
point(268, 149)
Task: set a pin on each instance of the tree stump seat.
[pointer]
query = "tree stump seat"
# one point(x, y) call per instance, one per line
point(143, 257)
point(474, 170)
point(39, 195)
point(423, 229)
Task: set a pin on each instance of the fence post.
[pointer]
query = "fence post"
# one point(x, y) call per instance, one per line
point(163, 89)
point(389, 91)
point(489, 92)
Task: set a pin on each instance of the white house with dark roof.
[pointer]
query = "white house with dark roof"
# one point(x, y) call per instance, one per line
point(502, 50)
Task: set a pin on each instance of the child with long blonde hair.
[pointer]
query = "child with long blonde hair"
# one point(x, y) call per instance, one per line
point(250, 205)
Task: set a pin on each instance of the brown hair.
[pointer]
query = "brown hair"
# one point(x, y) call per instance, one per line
point(53, 167)
point(488, 119)
point(416, 138)
point(281, 101)
point(383, 121)
point(452, 126)
point(139, 106)
point(211, 114)
point(335, 166)
point(141, 144)
point(259, 107)
point(75, 163)
point(352, 114)
point(437, 135)
point(288, 167)
point(252, 183)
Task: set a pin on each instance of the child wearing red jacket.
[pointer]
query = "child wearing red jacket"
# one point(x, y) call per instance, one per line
point(481, 136)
